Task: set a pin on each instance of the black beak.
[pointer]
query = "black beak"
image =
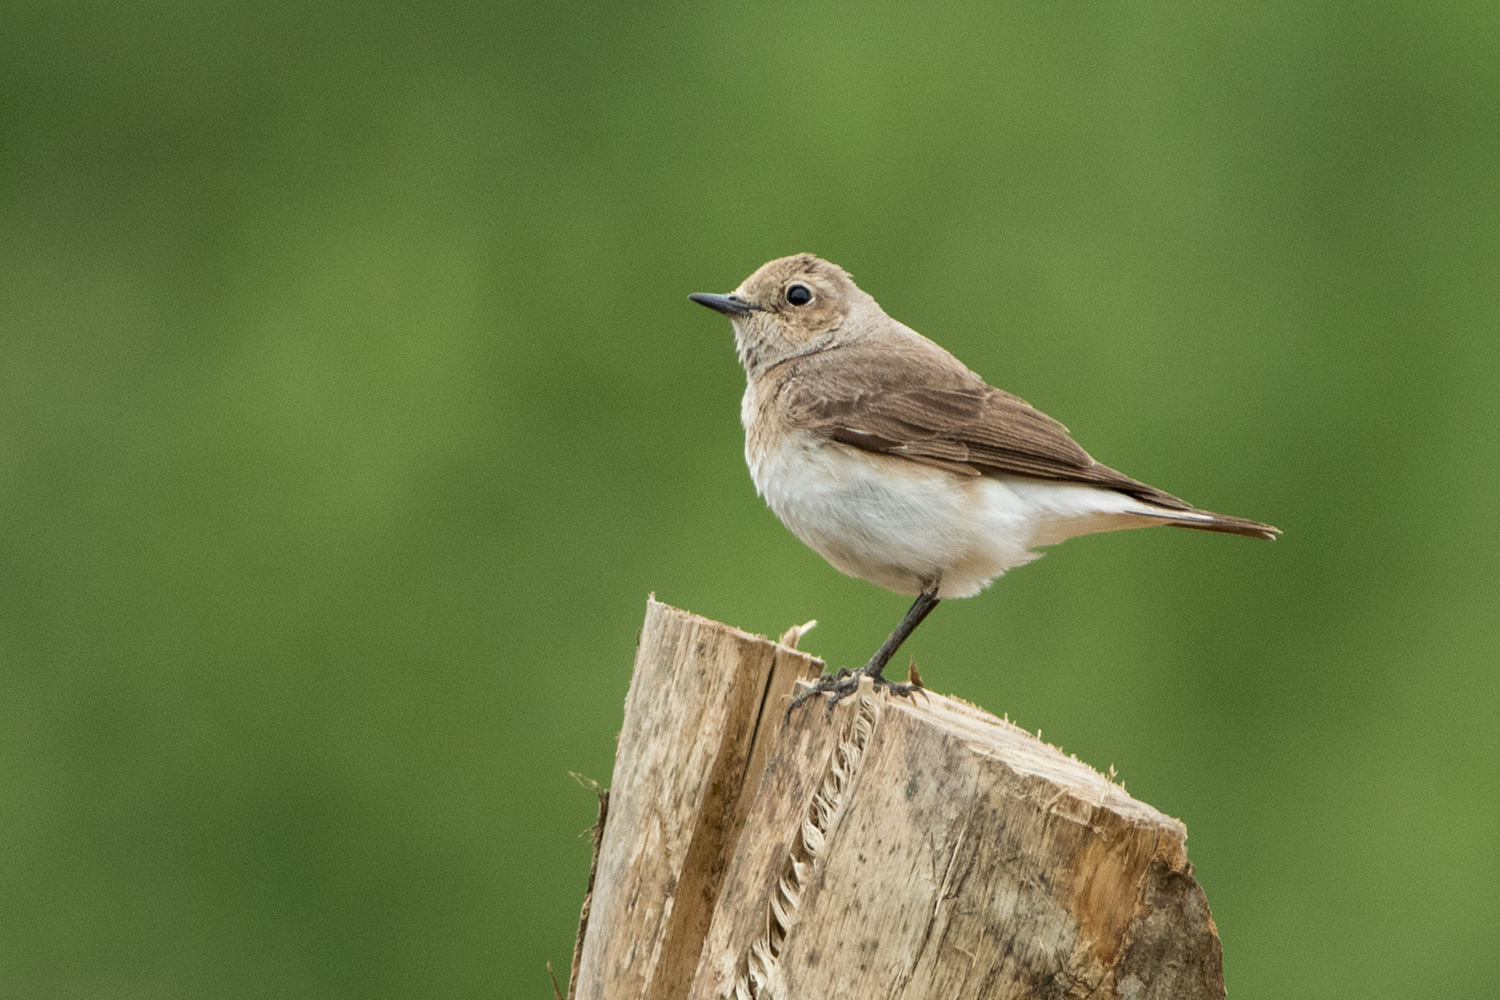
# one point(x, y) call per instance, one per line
point(726, 304)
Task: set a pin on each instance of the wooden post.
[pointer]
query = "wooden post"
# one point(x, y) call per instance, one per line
point(902, 849)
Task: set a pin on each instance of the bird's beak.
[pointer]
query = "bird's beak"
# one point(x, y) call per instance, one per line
point(729, 305)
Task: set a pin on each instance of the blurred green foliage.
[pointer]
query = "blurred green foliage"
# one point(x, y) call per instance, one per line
point(350, 405)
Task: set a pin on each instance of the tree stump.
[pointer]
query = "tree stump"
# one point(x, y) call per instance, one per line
point(900, 849)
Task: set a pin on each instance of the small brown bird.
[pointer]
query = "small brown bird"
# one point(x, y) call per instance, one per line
point(899, 465)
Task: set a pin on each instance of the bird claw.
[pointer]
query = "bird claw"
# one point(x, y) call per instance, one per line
point(840, 685)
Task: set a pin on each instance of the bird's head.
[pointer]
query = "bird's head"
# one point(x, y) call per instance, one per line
point(790, 306)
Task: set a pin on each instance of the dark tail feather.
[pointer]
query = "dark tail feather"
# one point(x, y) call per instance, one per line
point(1178, 513)
point(1225, 524)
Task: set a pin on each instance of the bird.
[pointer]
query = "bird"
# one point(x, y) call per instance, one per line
point(896, 463)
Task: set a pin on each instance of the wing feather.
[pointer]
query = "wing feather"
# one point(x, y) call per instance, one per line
point(953, 420)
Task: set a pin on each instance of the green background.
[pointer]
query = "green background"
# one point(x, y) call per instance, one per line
point(351, 404)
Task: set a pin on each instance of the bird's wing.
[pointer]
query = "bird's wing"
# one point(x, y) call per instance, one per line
point(953, 420)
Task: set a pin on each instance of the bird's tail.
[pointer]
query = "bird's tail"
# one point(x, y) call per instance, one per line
point(1207, 520)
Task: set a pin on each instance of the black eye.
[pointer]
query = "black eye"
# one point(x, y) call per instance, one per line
point(799, 295)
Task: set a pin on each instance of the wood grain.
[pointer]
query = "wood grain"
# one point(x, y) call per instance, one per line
point(900, 849)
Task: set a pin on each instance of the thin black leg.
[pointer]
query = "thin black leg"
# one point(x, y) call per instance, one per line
point(845, 682)
point(920, 609)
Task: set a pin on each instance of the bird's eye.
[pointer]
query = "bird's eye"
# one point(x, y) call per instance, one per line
point(799, 295)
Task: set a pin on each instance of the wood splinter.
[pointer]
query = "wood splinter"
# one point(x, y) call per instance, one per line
point(905, 849)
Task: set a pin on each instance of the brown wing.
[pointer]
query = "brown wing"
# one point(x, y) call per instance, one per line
point(964, 425)
point(916, 401)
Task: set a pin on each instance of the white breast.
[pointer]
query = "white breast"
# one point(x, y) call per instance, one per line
point(903, 525)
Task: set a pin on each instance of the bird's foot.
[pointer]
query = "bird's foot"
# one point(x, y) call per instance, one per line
point(838, 686)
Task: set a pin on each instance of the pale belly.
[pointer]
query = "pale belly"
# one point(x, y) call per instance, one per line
point(904, 526)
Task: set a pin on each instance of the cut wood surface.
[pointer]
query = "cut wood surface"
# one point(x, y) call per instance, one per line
point(901, 849)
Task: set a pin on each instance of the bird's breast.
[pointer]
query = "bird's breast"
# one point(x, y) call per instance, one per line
point(893, 522)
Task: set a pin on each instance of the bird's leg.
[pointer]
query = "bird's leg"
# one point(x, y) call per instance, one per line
point(920, 609)
point(844, 683)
